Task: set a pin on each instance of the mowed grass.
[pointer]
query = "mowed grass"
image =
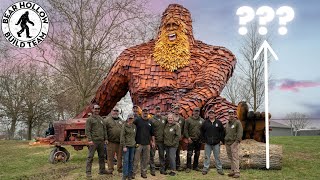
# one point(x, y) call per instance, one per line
point(18, 160)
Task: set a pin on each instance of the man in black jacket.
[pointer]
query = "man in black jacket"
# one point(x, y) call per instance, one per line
point(212, 132)
point(144, 137)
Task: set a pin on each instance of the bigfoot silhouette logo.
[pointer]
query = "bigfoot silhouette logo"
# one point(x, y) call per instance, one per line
point(24, 19)
point(25, 24)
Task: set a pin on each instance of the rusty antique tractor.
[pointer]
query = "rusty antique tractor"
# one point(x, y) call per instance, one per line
point(70, 132)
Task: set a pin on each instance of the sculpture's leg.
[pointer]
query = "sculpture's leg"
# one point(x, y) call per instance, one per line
point(220, 106)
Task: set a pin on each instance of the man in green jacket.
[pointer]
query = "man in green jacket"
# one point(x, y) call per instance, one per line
point(158, 123)
point(192, 133)
point(177, 118)
point(114, 126)
point(232, 139)
point(96, 134)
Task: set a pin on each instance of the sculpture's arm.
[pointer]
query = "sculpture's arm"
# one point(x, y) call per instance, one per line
point(209, 83)
point(113, 87)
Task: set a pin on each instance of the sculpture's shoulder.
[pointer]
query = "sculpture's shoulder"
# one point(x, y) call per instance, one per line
point(141, 49)
point(219, 51)
point(131, 55)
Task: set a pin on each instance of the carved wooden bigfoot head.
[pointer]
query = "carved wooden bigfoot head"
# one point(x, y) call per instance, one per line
point(172, 48)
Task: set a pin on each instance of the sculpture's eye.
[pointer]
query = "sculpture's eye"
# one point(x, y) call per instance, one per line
point(171, 26)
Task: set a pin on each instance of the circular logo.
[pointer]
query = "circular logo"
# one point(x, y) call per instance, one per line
point(25, 24)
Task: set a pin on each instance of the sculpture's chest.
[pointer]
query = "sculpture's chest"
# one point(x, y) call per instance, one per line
point(149, 76)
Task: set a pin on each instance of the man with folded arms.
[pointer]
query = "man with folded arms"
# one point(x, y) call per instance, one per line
point(114, 126)
point(144, 137)
point(212, 133)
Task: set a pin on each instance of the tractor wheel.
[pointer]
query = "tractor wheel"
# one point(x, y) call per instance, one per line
point(59, 154)
point(51, 155)
point(66, 152)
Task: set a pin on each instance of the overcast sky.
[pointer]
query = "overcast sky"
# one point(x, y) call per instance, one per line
point(296, 76)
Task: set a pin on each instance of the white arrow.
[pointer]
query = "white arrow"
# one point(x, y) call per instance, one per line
point(265, 47)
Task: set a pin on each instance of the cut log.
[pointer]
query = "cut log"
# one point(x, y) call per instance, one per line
point(252, 155)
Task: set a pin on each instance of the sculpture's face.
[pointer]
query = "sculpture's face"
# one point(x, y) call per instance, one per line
point(172, 28)
point(172, 49)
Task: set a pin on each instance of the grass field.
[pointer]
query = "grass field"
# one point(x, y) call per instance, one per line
point(18, 160)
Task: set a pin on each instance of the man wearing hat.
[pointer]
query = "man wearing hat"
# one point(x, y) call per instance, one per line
point(212, 133)
point(128, 142)
point(158, 123)
point(114, 126)
point(192, 133)
point(135, 110)
point(96, 134)
point(232, 140)
point(144, 137)
point(179, 120)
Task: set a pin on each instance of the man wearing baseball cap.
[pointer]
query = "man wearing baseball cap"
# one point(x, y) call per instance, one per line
point(144, 137)
point(179, 120)
point(232, 140)
point(192, 133)
point(158, 123)
point(97, 137)
point(212, 132)
point(128, 142)
point(114, 126)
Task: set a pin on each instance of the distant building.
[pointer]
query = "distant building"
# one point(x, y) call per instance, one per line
point(308, 132)
point(278, 129)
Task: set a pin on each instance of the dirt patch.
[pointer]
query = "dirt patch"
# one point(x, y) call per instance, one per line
point(52, 173)
point(303, 155)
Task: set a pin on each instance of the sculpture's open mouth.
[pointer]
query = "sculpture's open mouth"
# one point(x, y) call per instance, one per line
point(172, 37)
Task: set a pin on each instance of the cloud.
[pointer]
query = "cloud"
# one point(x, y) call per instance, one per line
point(293, 85)
point(313, 108)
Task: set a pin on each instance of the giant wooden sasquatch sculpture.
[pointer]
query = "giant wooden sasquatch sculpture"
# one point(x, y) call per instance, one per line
point(172, 69)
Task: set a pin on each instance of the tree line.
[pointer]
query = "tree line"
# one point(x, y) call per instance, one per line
point(58, 78)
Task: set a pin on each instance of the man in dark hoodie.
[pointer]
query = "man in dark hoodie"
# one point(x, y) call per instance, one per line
point(212, 133)
point(192, 133)
point(114, 126)
point(144, 137)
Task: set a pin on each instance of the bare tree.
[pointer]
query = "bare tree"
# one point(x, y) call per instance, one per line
point(85, 38)
point(297, 121)
point(38, 106)
point(11, 95)
point(236, 90)
point(252, 71)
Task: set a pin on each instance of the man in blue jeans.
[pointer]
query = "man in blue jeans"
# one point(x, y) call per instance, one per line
point(212, 132)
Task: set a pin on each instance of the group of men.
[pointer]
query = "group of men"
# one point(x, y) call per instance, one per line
point(165, 134)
